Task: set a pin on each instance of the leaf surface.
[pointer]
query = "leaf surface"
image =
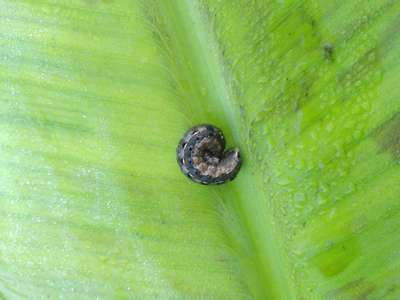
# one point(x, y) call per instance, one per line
point(94, 97)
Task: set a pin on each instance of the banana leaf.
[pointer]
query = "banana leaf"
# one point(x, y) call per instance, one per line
point(94, 97)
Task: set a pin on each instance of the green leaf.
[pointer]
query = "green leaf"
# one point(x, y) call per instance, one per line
point(94, 97)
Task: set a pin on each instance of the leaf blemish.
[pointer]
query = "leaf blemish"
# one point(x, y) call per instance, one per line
point(358, 289)
point(388, 136)
point(328, 50)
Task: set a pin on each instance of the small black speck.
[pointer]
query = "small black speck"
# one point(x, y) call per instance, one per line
point(328, 52)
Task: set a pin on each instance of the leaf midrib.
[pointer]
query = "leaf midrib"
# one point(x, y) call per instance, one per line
point(189, 27)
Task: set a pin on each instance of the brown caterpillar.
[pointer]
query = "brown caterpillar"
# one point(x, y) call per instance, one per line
point(201, 156)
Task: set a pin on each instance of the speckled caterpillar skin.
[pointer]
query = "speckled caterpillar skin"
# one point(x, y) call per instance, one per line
point(202, 158)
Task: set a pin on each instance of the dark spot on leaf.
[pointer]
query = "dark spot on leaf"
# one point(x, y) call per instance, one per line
point(363, 75)
point(359, 289)
point(388, 136)
point(328, 50)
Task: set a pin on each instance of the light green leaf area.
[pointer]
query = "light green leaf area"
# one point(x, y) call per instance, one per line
point(94, 97)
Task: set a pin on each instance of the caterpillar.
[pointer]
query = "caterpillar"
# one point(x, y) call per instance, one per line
point(202, 157)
